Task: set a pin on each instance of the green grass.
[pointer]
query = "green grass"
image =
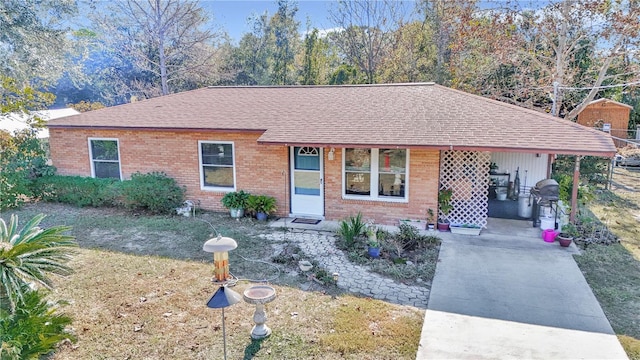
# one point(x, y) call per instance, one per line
point(614, 276)
point(613, 272)
point(175, 237)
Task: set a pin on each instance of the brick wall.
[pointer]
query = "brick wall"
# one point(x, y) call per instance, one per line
point(260, 169)
point(423, 191)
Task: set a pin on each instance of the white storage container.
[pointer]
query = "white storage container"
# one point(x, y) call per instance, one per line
point(547, 223)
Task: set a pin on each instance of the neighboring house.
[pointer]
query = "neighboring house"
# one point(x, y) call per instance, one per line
point(607, 115)
point(13, 122)
point(323, 151)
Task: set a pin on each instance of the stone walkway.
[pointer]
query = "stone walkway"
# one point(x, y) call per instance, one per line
point(320, 245)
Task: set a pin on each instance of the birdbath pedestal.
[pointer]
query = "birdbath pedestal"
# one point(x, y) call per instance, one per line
point(259, 295)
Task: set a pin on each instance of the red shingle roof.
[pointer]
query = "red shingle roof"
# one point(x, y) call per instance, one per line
point(398, 115)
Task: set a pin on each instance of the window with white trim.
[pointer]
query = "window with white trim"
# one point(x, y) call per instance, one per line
point(217, 170)
point(105, 158)
point(379, 174)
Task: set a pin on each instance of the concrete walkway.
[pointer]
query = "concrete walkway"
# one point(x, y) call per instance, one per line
point(513, 297)
point(320, 246)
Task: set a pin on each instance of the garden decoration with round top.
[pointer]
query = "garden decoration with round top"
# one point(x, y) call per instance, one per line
point(260, 295)
point(220, 247)
point(223, 297)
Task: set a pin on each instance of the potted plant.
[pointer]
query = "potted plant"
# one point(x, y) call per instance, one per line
point(261, 206)
point(373, 242)
point(568, 233)
point(236, 202)
point(430, 219)
point(445, 207)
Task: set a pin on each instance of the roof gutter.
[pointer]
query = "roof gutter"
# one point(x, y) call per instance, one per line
point(558, 151)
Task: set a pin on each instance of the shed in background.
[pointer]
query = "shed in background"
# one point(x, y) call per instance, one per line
point(601, 112)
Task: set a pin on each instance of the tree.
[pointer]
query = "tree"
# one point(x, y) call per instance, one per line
point(284, 30)
point(22, 156)
point(413, 56)
point(577, 44)
point(249, 60)
point(447, 20)
point(33, 39)
point(29, 256)
point(367, 31)
point(164, 38)
point(84, 106)
point(317, 59)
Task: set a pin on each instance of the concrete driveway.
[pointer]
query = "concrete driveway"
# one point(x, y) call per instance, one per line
point(513, 297)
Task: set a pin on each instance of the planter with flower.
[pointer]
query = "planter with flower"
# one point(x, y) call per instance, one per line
point(465, 229)
point(567, 235)
point(236, 202)
point(373, 241)
point(262, 206)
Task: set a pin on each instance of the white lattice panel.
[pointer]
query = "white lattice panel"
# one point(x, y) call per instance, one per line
point(467, 174)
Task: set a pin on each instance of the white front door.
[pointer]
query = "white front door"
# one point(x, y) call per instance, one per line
point(307, 183)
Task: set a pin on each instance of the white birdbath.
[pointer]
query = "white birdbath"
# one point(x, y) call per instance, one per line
point(259, 295)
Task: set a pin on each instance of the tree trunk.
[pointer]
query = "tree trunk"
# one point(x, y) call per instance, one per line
point(161, 54)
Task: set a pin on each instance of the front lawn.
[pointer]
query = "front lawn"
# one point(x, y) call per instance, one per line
point(141, 284)
point(133, 307)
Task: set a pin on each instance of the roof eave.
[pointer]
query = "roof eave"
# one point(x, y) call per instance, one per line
point(146, 128)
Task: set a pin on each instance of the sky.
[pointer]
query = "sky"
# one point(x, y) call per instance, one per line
point(232, 16)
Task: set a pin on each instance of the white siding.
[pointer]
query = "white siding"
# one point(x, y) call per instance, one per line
point(532, 167)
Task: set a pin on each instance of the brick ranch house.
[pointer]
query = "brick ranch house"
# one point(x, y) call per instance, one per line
point(323, 151)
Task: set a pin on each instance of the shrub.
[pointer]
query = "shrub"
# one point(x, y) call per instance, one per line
point(79, 191)
point(29, 255)
point(33, 329)
point(235, 199)
point(350, 229)
point(409, 238)
point(261, 204)
point(593, 170)
point(22, 160)
point(565, 188)
point(154, 192)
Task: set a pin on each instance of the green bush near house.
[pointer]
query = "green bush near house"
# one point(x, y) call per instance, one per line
point(23, 160)
point(235, 199)
point(78, 191)
point(154, 192)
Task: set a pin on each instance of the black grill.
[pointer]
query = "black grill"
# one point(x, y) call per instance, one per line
point(545, 192)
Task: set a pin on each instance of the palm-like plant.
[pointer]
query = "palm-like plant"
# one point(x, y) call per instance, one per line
point(29, 255)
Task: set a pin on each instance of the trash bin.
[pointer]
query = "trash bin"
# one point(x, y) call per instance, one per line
point(501, 194)
point(525, 206)
point(547, 223)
